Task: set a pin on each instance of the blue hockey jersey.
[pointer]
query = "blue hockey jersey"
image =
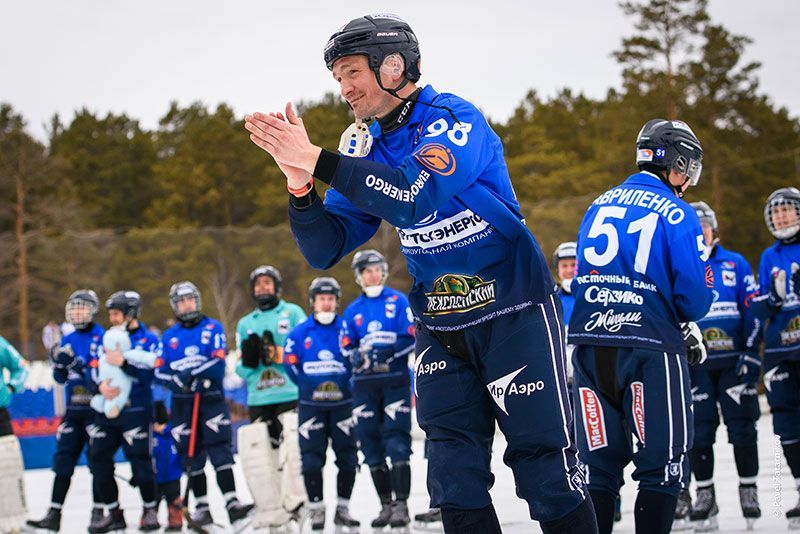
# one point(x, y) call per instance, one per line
point(641, 269)
point(730, 328)
point(79, 381)
point(313, 359)
point(193, 353)
point(782, 336)
point(567, 302)
point(382, 322)
point(166, 460)
point(444, 185)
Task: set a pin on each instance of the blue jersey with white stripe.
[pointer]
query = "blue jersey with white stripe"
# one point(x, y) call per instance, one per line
point(782, 335)
point(193, 353)
point(79, 381)
point(382, 322)
point(313, 359)
point(730, 328)
point(444, 185)
point(641, 269)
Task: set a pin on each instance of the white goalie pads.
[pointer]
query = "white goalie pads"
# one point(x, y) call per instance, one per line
point(261, 470)
point(12, 489)
point(294, 489)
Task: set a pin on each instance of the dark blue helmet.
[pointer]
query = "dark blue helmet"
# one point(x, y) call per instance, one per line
point(128, 302)
point(376, 36)
point(324, 285)
point(664, 145)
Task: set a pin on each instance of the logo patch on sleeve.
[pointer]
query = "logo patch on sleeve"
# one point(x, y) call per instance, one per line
point(437, 158)
point(594, 424)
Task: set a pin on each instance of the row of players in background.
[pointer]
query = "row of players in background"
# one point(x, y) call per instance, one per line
point(354, 390)
point(731, 332)
point(108, 379)
point(381, 337)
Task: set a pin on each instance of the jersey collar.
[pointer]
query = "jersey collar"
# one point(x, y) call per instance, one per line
point(428, 94)
point(649, 179)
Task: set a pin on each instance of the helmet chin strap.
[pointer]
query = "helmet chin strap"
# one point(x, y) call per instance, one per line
point(405, 81)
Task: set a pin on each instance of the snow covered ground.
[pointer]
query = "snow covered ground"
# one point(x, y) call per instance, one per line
point(776, 488)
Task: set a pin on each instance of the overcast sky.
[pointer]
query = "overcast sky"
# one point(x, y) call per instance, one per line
point(137, 56)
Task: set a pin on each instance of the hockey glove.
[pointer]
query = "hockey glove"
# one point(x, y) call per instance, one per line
point(695, 344)
point(62, 356)
point(269, 351)
point(251, 351)
point(777, 289)
point(748, 368)
point(796, 279)
point(360, 358)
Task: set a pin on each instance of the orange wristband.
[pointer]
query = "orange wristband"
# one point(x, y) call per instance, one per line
point(300, 191)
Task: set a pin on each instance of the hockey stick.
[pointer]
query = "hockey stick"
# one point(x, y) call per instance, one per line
point(189, 458)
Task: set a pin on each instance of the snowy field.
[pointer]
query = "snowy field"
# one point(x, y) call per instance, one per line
point(776, 491)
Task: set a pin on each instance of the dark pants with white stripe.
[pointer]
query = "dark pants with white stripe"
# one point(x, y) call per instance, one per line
point(509, 370)
point(624, 395)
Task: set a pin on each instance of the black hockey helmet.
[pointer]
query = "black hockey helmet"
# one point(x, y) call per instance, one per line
point(780, 206)
point(324, 285)
point(376, 36)
point(664, 145)
point(566, 250)
point(81, 307)
point(266, 302)
point(180, 291)
point(705, 214)
point(128, 302)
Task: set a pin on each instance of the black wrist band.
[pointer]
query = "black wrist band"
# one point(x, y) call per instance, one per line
point(304, 201)
point(326, 166)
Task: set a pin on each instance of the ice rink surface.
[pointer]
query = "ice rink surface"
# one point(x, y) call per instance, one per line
point(776, 492)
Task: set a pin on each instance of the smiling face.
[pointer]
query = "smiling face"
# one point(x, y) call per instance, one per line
point(784, 216)
point(264, 285)
point(566, 268)
point(360, 88)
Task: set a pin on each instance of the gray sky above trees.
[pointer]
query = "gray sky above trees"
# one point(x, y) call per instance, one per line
point(135, 57)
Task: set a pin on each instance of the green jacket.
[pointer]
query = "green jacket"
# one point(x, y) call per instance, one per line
point(10, 359)
point(268, 384)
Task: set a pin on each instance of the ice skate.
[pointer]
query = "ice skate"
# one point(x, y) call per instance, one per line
point(344, 522)
point(383, 517)
point(174, 516)
point(200, 521)
point(51, 522)
point(399, 519)
point(240, 515)
point(316, 516)
point(299, 515)
point(430, 521)
point(748, 497)
point(149, 520)
point(704, 512)
point(113, 522)
point(682, 521)
point(793, 516)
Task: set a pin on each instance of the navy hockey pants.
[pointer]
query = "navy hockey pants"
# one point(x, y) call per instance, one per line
point(383, 422)
point(739, 406)
point(782, 382)
point(317, 425)
point(213, 429)
point(507, 371)
point(624, 393)
point(71, 438)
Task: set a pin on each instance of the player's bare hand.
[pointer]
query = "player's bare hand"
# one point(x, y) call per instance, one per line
point(285, 139)
point(107, 390)
point(114, 357)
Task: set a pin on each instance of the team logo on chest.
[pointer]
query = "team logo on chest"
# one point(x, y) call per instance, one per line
point(457, 293)
point(729, 278)
point(390, 310)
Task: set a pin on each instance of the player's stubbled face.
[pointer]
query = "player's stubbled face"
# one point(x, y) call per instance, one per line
point(116, 317)
point(359, 86)
point(784, 216)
